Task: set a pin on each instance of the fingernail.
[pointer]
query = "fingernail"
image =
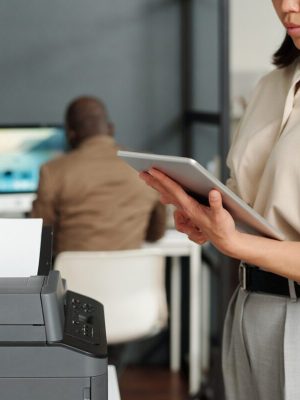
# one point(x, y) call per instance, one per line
point(213, 195)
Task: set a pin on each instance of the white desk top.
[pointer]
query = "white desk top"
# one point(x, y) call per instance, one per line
point(173, 243)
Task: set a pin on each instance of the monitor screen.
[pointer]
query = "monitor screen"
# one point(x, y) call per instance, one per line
point(22, 151)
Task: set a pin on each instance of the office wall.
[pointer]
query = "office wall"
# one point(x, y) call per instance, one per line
point(124, 51)
point(255, 34)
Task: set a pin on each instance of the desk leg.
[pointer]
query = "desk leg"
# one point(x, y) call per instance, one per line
point(175, 314)
point(195, 373)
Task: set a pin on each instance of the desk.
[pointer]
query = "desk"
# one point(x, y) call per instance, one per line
point(175, 245)
point(113, 387)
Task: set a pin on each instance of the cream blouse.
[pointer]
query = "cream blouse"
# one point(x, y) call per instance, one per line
point(264, 158)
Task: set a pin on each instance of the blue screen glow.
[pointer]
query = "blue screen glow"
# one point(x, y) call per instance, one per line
point(22, 151)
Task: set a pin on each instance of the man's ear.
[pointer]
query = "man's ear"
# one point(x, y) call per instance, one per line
point(111, 129)
point(71, 136)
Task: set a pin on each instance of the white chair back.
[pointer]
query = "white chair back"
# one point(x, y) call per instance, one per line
point(129, 283)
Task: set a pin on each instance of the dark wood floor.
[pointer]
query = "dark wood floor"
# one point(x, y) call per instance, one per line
point(152, 383)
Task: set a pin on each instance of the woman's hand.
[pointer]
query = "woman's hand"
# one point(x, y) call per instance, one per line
point(201, 223)
point(214, 223)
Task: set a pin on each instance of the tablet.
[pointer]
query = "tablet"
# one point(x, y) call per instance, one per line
point(197, 181)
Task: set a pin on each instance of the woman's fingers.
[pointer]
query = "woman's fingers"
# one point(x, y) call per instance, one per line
point(179, 197)
point(198, 238)
point(168, 184)
point(184, 224)
point(169, 190)
point(215, 201)
point(150, 180)
point(199, 222)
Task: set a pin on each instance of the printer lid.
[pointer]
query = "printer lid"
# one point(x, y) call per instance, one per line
point(31, 284)
point(20, 301)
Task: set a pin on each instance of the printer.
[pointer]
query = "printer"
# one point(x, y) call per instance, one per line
point(52, 341)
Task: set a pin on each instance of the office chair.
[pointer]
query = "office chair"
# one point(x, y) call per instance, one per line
point(129, 283)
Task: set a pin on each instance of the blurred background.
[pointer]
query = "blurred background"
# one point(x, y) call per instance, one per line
point(175, 75)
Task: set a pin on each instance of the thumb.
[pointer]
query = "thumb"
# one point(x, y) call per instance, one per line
point(215, 200)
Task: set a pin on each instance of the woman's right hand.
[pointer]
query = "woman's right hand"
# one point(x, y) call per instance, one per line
point(201, 223)
point(184, 224)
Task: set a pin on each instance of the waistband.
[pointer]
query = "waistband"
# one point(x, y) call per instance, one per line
point(255, 279)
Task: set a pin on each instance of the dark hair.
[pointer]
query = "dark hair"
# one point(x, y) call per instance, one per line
point(286, 54)
point(85, 115)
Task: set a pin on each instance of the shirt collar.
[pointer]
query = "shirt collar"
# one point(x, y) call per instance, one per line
point(294, 78)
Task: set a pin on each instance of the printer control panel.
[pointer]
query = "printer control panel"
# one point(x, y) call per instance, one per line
point(82, 317)
point(84, 323)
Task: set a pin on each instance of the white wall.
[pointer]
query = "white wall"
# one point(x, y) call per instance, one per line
point(255, 33)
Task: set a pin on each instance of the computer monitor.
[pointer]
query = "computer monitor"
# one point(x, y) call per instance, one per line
point(23, 149)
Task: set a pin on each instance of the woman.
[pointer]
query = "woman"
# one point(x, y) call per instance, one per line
point(261, 346)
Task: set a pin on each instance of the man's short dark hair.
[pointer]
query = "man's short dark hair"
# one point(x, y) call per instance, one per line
point(86, 116)
point(286, 54)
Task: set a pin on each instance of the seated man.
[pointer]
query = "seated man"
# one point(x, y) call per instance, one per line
point(93, 199)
